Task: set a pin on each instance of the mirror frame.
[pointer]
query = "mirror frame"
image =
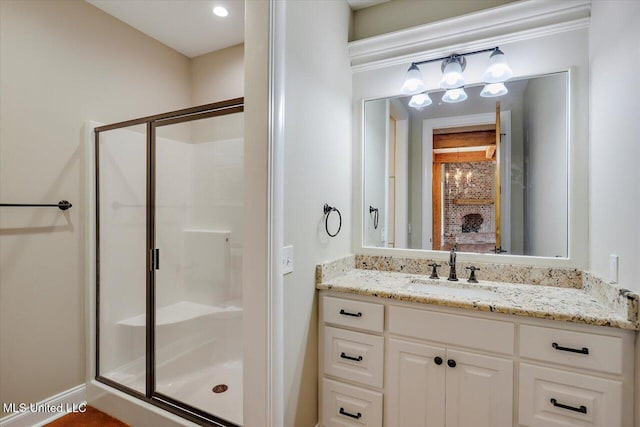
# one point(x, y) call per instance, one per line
point(366, 86)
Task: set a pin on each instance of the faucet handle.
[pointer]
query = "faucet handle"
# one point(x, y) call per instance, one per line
point(434, 270)
point(472, 276)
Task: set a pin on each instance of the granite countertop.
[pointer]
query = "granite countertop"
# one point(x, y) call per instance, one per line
point(545, 302)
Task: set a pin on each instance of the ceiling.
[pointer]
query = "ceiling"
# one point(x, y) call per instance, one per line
point(188, 26)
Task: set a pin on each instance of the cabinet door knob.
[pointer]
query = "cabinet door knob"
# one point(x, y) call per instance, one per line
point(451, 363)
point(437, 360)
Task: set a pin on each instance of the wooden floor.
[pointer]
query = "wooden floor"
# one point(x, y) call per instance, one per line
point(91, 418)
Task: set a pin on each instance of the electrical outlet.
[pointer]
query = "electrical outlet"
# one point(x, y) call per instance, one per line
point(287, 260)
point(613, 268)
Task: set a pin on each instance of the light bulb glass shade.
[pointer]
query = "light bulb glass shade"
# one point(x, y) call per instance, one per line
point(420, 100)
point(498, 69)
point(455, 95)
point(413, 83)
point(452, 76)
point(492, 90)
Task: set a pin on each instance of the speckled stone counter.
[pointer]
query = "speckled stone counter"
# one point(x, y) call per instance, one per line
point(589, 304)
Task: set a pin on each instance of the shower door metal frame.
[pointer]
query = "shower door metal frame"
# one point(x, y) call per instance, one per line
point(160, 400)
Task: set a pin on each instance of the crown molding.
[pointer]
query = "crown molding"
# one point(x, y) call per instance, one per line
point(512, 22)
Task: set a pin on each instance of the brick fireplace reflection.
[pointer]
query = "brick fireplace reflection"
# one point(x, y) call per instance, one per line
point(469, 212)
point(471, 223)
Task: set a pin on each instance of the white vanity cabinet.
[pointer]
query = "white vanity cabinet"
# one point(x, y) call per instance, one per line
point(464, 388)
point(398, 364)
point(434, 387)
point(571, 378)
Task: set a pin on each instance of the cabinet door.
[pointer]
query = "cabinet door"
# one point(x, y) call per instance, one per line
point(479, 390)
point(415, 384)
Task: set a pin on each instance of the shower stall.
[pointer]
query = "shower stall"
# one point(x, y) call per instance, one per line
point(168, 249)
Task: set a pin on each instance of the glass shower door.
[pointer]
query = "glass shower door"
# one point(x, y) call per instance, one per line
point(121, 235)
point(198, 207)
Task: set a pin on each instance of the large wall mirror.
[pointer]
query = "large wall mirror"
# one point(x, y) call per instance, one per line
point(487, 175)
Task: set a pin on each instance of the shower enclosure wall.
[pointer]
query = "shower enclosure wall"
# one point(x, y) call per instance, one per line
point(169, 207)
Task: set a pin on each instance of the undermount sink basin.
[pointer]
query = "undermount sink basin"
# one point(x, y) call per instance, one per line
point(442, 287)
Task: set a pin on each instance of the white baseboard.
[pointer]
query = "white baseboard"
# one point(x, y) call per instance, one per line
point(66, 400)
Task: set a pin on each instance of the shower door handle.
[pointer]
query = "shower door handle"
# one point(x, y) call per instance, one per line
point(155, 259)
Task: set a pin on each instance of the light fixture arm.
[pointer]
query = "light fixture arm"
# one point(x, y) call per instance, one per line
point(456, 55)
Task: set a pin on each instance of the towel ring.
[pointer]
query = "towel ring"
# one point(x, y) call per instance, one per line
point(327, 212)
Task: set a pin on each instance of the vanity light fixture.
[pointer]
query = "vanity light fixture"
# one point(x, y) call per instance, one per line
point(498, 69)
point(453, 66)
point(413, 83)
point(452, 69)
point(455, 95)
point(491, 90)
point(420, 100)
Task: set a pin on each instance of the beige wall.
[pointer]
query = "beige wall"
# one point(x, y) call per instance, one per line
point(614, 194)
point(614, 202)
point(318, 170)
point(255, 259)
point(63, 63)
point(208, 70)
point(399, 14)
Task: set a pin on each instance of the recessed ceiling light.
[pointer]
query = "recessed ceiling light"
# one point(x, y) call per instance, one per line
point(220, 11)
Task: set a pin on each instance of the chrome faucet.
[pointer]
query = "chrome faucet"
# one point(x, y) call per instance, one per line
point(453, 277)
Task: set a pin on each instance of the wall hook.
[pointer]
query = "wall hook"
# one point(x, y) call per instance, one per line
point(376, 215)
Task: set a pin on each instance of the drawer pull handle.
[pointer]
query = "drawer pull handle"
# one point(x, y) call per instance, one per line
point(582, 409)
point(345, 413)
point(583, 350)
point(345, 356)
point(346, 313)
point(437, 360)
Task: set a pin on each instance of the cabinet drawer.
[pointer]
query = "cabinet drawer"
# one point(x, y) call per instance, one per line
point(554, 398)
point(481, 334)
point(354, 356)
point(580, 350)
point(354, 314)
point(346, 406)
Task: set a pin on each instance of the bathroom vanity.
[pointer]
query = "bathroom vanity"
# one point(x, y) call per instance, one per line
point(538, 341)
point(399, 349)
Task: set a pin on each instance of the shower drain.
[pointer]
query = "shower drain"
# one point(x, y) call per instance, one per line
point(220, 388)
